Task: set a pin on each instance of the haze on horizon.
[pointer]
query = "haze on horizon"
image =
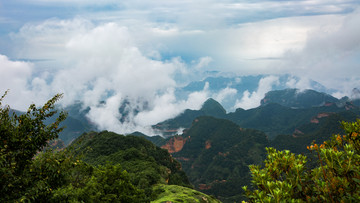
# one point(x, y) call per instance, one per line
point(141, 51)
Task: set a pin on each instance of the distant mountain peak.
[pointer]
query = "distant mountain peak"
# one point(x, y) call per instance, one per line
point(355, 94)
point(212, 107)
point(298, 99)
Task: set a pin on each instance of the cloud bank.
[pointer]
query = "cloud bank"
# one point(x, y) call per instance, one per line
point(134, 54)
point(100, 63)
point(252, 100)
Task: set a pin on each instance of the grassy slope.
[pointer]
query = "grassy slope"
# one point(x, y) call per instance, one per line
point(175, 193)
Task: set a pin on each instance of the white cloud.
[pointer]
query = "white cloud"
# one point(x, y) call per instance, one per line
point(301, 83)
point(16, 76)
point(203, 62)
point(133, 50)
point(252, 100)
point(166, 106)
point(330, 55)
point(224, 94)
point(104, 63)
point(46, 40)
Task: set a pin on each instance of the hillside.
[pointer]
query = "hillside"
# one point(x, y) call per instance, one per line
point(319, 129)
point(146, 164)
point(216, 153)
point(175, 193)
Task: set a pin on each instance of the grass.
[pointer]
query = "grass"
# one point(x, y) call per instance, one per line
point(175, 194)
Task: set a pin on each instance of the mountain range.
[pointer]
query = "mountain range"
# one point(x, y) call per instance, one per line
point(281, 112)
point(216, 147)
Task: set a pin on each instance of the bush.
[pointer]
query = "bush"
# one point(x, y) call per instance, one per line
point(336, 178)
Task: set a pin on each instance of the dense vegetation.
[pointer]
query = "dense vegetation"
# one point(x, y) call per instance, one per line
point(145, 163)
point(31, 171)
point(216, 156)
point(107, 167)
point(287, 178)
point(222, 169)
point(27, 174)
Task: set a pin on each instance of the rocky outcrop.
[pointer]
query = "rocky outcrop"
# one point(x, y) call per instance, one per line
point(320, 115)
point(208, 144)
point(175, 144)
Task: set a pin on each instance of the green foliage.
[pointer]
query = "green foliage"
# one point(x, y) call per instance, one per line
point(22, 136)
point(31, 174)
point(313, 131)
point(145, 163)
point(216, 156)
point(109, 183)
point(175, 193)
point(336, 178)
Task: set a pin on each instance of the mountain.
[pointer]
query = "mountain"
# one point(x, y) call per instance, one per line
point(243, 83)
point(215, 154)
point(147, 165)
point(288, 111)
point(215, 147)
point(184, 120)
point(216, 83)
point(75, 123)
point(275, 119)
point(295, 98)
point(213, 108)
point(135, 154)
point(355, 96)
point(157, 139)
point(318, 129)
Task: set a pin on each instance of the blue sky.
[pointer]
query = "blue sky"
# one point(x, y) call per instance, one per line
point(140, 49)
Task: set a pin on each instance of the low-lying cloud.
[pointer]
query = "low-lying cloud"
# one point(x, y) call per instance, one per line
point(102, 63)
point(252, 99)
point(139, 55)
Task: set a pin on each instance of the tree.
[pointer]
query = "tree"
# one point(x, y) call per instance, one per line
point(22, 137)
point(107, 183)
point(287, 178)
point(30, 173)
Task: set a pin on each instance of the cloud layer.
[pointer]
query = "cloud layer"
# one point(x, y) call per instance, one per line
point(136, 53)
point(99, 63)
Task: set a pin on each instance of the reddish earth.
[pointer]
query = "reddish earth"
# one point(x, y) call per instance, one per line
point(314, 120)
point(223, 154)
point(207, 144)
point(175, 144)
point(182, 158)
point(322, 115)
point(329, 104)
point(204, 187)
point(297, 132)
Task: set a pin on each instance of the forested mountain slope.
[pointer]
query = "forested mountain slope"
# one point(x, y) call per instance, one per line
point(216, 153)
point(150, 168)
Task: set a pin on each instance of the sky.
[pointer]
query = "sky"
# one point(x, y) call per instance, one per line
point(141, 51)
